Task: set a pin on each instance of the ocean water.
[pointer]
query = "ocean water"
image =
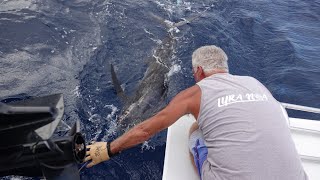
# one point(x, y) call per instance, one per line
point(67, 46)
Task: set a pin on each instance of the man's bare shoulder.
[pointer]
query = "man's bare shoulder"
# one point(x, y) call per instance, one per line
point(190, 92)
point(190, 98)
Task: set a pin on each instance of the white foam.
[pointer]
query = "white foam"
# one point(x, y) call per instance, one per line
point(148, 32)
point(157, 41)
point(174, 69)
point(76, 91)
point(113, 108)
point(95, 118)
point(146, 146)
point(96, 134)
point(111, 120)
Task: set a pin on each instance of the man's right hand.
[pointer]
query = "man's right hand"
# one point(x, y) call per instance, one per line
point(96, 152)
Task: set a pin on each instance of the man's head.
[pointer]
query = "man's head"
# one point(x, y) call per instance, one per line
point(208, 60)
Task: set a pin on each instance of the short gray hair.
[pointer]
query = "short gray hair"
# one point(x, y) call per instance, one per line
point(210, 58)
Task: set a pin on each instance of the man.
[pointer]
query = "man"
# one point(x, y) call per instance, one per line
point(240, 133)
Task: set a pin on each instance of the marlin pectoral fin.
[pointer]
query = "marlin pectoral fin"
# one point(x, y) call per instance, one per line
point(159, 19)
point(164, 22)
point(117, 85)
point(171, 25)
point(188, 20)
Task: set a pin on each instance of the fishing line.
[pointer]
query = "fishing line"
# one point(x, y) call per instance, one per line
point(85, 164)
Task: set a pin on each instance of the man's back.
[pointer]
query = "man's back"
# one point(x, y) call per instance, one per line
point(245, 131)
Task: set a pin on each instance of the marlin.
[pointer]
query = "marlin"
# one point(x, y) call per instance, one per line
point(151, 93)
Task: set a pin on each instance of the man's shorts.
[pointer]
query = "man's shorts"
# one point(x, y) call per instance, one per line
point(198, 149)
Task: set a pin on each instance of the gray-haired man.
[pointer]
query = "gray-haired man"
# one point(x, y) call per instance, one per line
point(240, 132)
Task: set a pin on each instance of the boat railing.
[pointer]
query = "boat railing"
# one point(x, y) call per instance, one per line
point(308, 130)
point(301, 108)
point(310, 158)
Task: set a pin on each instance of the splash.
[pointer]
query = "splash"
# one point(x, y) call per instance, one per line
point(174, 69)
point(111, 121)
point(147, 146)
point(76, 91)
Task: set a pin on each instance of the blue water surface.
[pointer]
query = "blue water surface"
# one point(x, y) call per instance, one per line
point(67, 46)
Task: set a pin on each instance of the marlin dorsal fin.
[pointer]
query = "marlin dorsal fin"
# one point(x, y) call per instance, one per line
point(117, 85)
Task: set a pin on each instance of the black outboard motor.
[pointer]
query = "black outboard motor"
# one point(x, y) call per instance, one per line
point(27, 144)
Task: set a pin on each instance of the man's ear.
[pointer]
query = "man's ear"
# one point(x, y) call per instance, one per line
point(200, 73)
point(199, 70)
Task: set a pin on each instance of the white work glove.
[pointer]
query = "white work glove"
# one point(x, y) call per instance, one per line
point(96, 152)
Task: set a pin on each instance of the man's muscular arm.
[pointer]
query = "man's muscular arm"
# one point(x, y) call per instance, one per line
point(187, 101)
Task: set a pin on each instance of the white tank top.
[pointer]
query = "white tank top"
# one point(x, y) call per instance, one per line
point(245, 131)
